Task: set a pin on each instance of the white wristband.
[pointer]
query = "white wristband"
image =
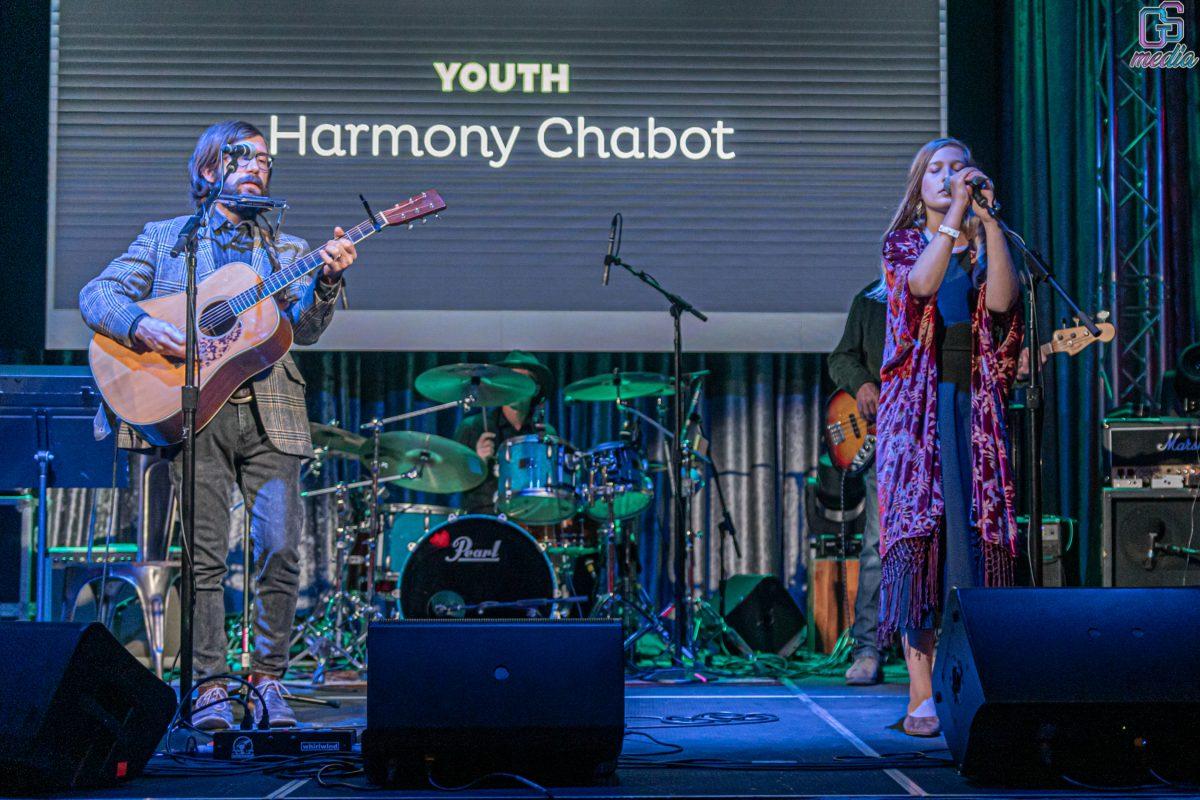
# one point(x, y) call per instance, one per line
point(953, 233)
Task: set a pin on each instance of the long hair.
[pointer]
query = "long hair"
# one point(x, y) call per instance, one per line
point(911, 211)
point(207, 155)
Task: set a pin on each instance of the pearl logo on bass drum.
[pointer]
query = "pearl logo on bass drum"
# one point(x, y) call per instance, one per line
point(465, 552)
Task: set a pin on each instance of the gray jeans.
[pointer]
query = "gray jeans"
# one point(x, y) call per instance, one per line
point(233, 447)
point(866, 605)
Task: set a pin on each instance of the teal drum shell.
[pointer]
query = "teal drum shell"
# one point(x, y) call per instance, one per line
point(538, 475)
point(616, 470)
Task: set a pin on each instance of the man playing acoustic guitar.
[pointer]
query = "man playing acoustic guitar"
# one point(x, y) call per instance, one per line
point(259, 437)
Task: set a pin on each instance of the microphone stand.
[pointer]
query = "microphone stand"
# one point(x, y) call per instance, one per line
point(679, 307)
point(188, 242)
point(1035, 271)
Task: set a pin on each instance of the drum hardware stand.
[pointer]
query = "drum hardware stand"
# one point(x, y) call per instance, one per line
point(326, 642)
point(375, 426)
point(619, 603)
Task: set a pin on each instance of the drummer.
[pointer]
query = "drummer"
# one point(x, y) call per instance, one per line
point(505, 422)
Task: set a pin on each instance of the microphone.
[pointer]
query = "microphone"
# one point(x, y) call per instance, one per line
point(979, 182)
point(612, 245)
point(242, 150)
point(976, 183)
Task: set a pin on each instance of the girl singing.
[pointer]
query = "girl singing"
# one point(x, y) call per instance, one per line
point(947, 516)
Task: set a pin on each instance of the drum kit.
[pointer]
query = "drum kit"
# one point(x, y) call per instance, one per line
point(565, 518)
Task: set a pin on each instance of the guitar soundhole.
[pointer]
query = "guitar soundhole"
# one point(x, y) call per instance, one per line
point(217, 319)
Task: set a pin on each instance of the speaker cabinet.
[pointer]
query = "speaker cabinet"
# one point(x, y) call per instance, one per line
point(455, 699)
point(1100, 686)
point(762, 612)
point(76, 709)
point(1151, 537)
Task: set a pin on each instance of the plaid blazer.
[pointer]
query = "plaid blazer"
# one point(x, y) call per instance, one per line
point(147, 270)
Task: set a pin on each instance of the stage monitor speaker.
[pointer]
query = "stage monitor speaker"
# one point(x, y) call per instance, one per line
point(1150, 537)
point(1099, 686)
point(76, 709)
point(457, 699)
point(762, 612)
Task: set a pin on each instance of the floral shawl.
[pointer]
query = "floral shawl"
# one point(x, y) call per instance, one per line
point(911, 508)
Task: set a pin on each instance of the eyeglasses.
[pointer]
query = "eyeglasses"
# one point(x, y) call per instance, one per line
point(263, 160)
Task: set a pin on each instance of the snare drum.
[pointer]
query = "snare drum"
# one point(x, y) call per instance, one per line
point(473, 560)
point(616, 470)
point(404, 525)
point(537, 479)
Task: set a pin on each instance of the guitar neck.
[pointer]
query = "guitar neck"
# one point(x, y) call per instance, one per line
point(278, 281)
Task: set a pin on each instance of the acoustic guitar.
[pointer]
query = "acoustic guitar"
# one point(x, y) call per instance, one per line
point(241, 332)
point(851, 439)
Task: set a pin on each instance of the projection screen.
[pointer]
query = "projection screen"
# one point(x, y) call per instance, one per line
point(754, 149)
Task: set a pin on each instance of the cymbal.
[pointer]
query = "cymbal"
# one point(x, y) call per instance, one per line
point(448, 466)
point(619, 386)
point(337, 441)
point(493, 386)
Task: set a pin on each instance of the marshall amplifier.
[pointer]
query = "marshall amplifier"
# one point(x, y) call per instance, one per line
point(1162, 453)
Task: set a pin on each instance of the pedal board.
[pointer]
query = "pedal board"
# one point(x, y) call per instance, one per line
point(233, 745)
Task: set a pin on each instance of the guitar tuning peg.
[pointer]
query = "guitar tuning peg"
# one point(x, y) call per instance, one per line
point(1063, 323)
point(1076, 320)
point(437, 216)
point(1102, 315)
point(424, 220)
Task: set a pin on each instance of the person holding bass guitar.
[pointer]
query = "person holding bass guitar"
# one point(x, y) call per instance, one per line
point(259, 437)
point(854, 366)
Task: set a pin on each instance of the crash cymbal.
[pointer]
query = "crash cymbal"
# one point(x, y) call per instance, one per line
point(619, 386)
point(337, 441)
point(493, 386)
point(448, 466)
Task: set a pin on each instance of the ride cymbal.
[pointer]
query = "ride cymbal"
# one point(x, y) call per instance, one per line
point(619, 386)
point(492, 385)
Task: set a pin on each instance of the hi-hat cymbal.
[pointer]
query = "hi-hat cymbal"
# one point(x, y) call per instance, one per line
point(619, 386)
point(447, 465)
point(336, 441)
point(493, 386)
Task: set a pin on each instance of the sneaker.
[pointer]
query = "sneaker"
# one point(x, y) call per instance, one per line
point(280, 713)
point(865, 671)
point(213, 711)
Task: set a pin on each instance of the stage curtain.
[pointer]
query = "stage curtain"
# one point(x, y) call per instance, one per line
point(1049, 156)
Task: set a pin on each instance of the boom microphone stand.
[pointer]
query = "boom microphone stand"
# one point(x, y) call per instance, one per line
point(190, 395)
point(1036, 271)
point(678, 308)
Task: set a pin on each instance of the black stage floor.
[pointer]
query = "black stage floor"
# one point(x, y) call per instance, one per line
point(820, 729)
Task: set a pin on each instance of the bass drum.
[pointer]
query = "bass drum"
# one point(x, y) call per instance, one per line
point(476, 559)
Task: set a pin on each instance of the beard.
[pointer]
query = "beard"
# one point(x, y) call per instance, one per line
point(245, 212)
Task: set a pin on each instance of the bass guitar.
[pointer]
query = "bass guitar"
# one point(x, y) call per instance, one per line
point(241, 332)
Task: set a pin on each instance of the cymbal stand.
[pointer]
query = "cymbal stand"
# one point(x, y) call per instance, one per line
point(325, 632)
point(620, 602)
point(375, 426)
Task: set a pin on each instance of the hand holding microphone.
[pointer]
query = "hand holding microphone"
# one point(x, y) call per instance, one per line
point(970, 185)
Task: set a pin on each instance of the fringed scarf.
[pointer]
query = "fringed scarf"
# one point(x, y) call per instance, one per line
point(911, 506)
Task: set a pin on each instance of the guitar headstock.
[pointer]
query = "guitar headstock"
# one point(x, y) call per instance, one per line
point(1073, 339)
point(414, 208)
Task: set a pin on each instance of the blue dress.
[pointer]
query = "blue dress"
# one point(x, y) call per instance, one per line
point(961, 558)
